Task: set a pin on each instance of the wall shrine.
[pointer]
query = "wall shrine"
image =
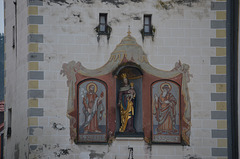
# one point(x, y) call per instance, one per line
point(127, 97)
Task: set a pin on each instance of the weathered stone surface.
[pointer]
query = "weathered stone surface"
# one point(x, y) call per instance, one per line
point(183, 31)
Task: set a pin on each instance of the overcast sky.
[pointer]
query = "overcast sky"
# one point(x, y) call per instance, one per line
point(1, 17)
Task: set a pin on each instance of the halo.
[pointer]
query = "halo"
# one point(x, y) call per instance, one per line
point(165, 83)
point(90, 84)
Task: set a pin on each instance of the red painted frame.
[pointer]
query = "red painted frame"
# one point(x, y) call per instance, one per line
point(147, 81)
point(110, 82)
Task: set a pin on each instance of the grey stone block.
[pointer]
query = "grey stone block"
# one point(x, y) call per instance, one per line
point(218, 24)
point(35, 75)
point(218, 60)
point(219, 133)
point(35, 2)
point(37, 38)
point(35, 112)
point(34, 19)
point(31, 129)
point(35, 93)
point(219, 152)
point(218, 6)
point(218, 115)
point(33, 147)
point(218, 78)
point(218, 42)
point(35, 57)
point(36, 148)
point(218, 96)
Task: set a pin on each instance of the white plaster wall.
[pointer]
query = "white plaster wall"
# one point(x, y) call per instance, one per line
point(182, 33)
point(16, 67)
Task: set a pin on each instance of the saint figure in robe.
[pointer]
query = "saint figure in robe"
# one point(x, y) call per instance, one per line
point(92, 105)
point(165, 106)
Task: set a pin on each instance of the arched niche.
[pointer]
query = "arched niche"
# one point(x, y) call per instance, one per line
point(134, 75)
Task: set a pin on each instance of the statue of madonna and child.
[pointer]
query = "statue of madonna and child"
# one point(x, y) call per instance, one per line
point(126, 105)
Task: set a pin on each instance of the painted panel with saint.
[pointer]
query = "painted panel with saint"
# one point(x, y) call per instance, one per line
point(166, 112)
point(92, 111)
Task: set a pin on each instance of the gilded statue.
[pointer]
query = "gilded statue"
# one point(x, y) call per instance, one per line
point(126, 105)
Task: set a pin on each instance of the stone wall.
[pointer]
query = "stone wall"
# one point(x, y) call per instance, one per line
point(16, 50)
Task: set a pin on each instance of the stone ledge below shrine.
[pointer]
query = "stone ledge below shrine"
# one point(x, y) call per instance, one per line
point(129, 139)
point(139, 136)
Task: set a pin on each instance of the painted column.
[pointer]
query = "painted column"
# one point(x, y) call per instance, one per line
point(219, 78)
point(34, 75)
